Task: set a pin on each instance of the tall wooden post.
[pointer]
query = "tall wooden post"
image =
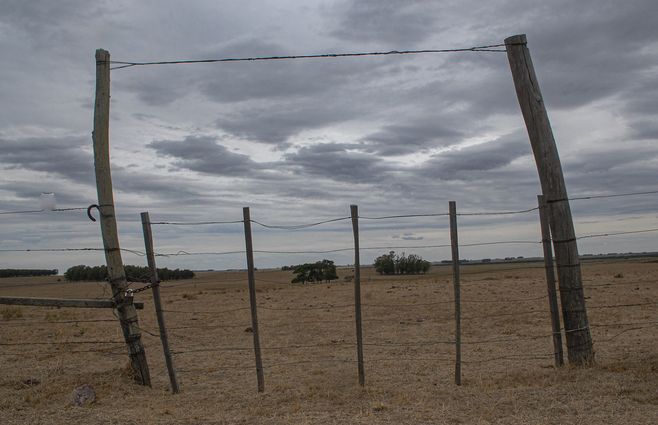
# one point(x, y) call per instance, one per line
point(454, 242)
point(354, 212)
point(252, 297)
point(117, 276)
point(155, 287)
point(550, 280)
point(579, 340)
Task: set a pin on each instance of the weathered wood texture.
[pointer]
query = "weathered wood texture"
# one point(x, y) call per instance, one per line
point(354, 212)
point(62, 302)
point(252, 297)
point(550, 280)
point(454, 242)
point(155, 287)
point(574, 311)
point(117, 276)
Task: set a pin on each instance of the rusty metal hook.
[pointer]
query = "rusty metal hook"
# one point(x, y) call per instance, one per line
point(91, 217)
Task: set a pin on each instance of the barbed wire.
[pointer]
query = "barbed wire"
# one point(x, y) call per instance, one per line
point(487, 48)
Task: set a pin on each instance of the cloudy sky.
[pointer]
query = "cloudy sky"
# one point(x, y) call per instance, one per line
point(299, 141)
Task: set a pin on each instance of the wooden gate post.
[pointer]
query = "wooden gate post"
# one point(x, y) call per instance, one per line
point(354, 212)
point(574, 311)
point(155, 287)
point(454, 242)
point(252, 297)
point(550, 280)
point(117, 276)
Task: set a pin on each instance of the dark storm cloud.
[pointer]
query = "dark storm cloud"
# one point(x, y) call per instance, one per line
point(275, 124)
point(64, 156)
point(413, 137)
point(332, 161)
point(397, 22)
point(206, 155)
point(476, 162)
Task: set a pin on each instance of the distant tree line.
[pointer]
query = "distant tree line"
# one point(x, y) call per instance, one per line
point(133, 273)
point(27, 272)
point(319, 271)
point(392, 263)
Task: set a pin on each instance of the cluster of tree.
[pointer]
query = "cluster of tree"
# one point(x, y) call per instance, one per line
point(134, 273)
point(392, 263)
point(26, 272)
point(319, 271)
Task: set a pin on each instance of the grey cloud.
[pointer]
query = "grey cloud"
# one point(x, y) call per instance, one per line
point(332, 161)
point(413, 137)
point(475, 162)
point(64, 156)
point(275, 124)
point(396, 22)
point(205, 155)
point(644, 129)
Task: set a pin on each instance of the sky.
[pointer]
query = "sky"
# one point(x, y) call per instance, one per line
point(299, 141)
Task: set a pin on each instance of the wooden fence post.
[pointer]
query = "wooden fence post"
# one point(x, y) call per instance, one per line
point(354, 212)
point(155, 287)
point(550, 280)
point(252, 297)
point(574, 311)
point(454, 242)
point(116, 274)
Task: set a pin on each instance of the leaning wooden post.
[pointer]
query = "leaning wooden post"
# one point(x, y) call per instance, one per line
point(574, 311)
point(354, 211)
point(155, 287)
point(116, 274)
point(454, 242)
point(252, 298)
point(550, 280)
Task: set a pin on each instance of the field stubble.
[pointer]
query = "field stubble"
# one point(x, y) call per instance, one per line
point(309, 352)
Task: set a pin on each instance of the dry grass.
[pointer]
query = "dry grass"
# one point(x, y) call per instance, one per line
point(318, 383)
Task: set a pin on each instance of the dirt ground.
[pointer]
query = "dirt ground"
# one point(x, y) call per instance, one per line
point(309, 351)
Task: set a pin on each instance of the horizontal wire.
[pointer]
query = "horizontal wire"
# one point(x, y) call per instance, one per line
point(132, 251)
point(488, 48)
point(299, 226)
point(44, 210)
point(630, 232)
point(498, 212)
point(403, 216)
point(194, 223)
point(616, 195)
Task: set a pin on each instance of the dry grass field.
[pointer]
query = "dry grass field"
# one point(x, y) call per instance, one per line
point(309, 352)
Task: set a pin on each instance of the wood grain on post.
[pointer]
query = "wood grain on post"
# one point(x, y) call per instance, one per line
point(252, 297)
point(354, 212)
point(550, 280)
point(454, 242)
point(155, 287)
point(117, 277)
point(574, 311)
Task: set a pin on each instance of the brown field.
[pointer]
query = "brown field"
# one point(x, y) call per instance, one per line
point(307, 334)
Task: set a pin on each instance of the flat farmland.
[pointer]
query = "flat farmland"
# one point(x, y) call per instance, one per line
point(309, 351)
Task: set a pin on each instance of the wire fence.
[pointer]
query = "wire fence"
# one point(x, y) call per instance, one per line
point(403, 323)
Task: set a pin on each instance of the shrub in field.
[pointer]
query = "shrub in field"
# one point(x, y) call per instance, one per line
point(133, 273)
point(315, 272)
point(27, 272)
point(392, 263)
